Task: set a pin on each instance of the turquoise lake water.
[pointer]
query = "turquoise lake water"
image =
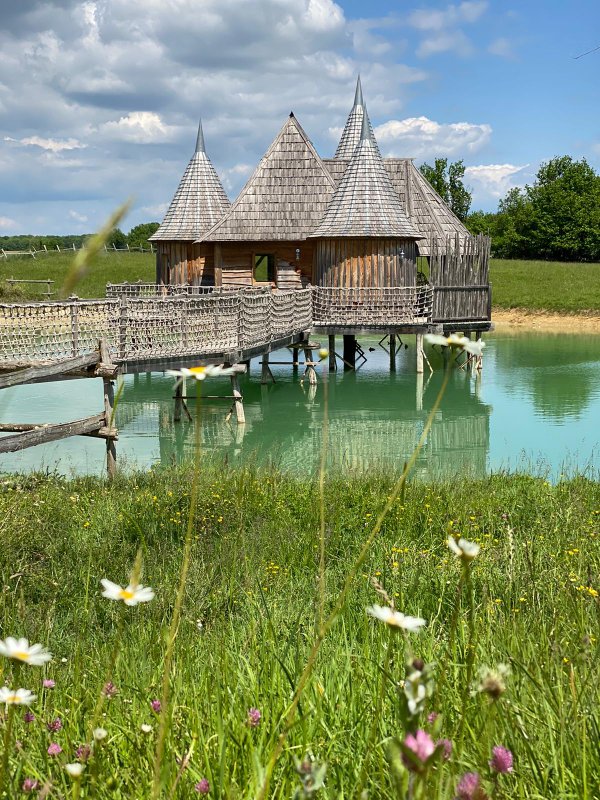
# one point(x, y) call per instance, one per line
point(536, 406)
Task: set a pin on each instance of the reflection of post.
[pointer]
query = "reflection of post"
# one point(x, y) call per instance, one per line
point(479, 361)
point(392, 352)
point(240, 432)
point(266, 374)
point(478, 384)
point(349, 352)
point(419, 399)
point(178, 401)
point(332, 361)
point(310, 371)
point(238, 401)
point(419, 338)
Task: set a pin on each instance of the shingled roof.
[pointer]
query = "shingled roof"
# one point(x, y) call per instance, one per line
point(419, 200)
point(286, 196)
point(365, 202)
point(352, 130)
point(199, 201)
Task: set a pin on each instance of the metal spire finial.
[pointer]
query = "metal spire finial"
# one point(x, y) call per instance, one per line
point(358, 96)
point(200, 140)
point(365, 130)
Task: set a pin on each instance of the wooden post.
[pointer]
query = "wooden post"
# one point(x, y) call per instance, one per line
point(74, 326)
point(238, 401)
point(478, 359)
point(309, 371)
point(178, 402)
point(295, 357)
point(349, 352)
point(266, 374)
point(419, 338)
point(419, 399)
point(332, 361)
point(392, 352)
point(109, 411)
point(122, 326)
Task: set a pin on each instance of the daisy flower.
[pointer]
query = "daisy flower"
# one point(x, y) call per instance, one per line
point(21, 650)
point(395, 619)
point(463, 548)
point(75, 770)
point(200, 373)
point(456, 342)
point(16, 697)
point(131, 595)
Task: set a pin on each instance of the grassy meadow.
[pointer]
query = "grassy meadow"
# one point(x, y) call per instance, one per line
point(108, 268)
point(252, 609)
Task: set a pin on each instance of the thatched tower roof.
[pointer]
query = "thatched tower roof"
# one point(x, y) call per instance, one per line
point(286, 196)
point(365, 203)
point(354, 123)
point(199, 201)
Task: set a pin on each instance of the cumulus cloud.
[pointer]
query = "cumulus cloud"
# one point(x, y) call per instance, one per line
point(495, 179)
point(442, 28)
point(141, 127)
point(420, 137)
point(54, 145)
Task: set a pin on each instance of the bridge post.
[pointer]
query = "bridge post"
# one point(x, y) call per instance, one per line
point(392, 352)
point(238, 400)
point(310, 371)
point(349, 352)
point(295, 357)
point(266, 374)
point(332, 361)
point(419, 339)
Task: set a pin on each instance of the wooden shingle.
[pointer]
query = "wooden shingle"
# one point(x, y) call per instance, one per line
point(352, 129)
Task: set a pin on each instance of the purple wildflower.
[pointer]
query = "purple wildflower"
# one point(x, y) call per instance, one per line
point(54, 725)
point(29, 785)
point(469, 787)
point(421, 744)
point(156, 706)
point(447, 745)
point(83, 752)
point(109, 690)
point(254, 717)
point(54, 749)
point(501, 760)
point(48, 683)
point(203, 786)
point(431, 718)
point(29, 716)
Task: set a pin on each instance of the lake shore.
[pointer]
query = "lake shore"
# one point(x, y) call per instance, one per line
point(525, 320)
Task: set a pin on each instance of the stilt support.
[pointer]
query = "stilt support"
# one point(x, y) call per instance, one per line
point(332, 361)
point(295, 355)
point(349, 351)
point(266, 374)
point(419, 398)
point(392, 352)
point(109, 407)
point(310, 371)
point(419, 338)
point(238, 401)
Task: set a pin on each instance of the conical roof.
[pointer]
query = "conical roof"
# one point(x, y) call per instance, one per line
point(199, 201)
point(351, 135)
point(365, 203)
point(286, 196)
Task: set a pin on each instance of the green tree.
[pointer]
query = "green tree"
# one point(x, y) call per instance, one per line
point(138, 235)
point(117, 239)
point(447, 180)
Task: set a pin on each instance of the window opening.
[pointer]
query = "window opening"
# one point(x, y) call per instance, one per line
point(264, 268)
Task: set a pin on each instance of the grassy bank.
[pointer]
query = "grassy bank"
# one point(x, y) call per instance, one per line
point(250, 615)
point(109, 268)
point(546, 286)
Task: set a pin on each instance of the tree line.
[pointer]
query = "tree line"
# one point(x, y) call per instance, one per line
point(556, 218)
point(137, 237)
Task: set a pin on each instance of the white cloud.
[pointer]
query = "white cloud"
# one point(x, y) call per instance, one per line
point(420, 137)
point(7, 223)
point(77, 216)
point(502, 47)
point(53, 145)
point(235, 175)
point(495, 179)
point(142, 127)
point(442, 28)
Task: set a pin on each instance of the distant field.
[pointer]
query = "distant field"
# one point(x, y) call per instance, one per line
point(545, 285)
point(535, 285)
point(109, 268)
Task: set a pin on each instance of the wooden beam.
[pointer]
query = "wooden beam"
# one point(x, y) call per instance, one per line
point(51, 432)
point(41, 372)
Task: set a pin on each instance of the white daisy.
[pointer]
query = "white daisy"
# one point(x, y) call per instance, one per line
point(16, 697)
point(21, 650)
point(463, 548)
point(131, 594)
point(99, 734)
point(396, 619)
point(145, 728)
point(201, 373)
point(75, 770)
point(457, 342)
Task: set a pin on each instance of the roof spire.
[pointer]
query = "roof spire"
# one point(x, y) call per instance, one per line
point(365, 130)
point(358, 96)
point(200, 140)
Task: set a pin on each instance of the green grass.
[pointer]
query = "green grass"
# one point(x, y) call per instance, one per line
point(546, 286)
point(249, 619)
point(109, 268)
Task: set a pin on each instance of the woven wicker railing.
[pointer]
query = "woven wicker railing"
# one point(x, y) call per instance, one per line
point(146, 328)
point(372, 307)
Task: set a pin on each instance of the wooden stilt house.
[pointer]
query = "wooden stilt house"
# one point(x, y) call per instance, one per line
point(199, 202)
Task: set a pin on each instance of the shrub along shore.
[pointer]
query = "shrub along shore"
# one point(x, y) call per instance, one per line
point(251, 612)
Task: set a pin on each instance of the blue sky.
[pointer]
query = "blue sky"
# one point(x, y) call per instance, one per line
point(99, 100)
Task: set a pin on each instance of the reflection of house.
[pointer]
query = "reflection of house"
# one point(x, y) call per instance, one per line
point(350, 223)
